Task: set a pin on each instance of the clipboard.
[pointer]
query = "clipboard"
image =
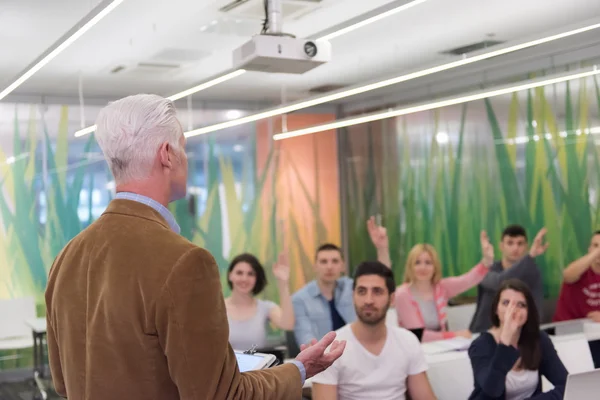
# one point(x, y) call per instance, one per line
point(254, 361)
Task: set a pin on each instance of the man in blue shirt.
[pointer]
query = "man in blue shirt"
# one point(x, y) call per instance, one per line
point(325, 304)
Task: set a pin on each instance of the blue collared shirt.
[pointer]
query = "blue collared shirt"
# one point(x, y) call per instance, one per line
point(166, 214)
point(313, 313)
point(162, 210)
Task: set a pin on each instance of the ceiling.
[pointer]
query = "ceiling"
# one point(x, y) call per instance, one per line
point(194, 35)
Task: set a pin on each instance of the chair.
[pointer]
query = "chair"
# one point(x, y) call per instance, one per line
point(292, 346)
point(14, 333)
point(459, 317)
point(574, 352)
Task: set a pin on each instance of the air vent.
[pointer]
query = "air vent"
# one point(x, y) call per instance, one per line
point(117, 69)
point(325, 88)
point(145, 69)
point(472, 47)
point(255, 9)
point(157, 66)
point(172, 55)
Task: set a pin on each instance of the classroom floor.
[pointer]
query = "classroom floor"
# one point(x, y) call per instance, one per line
point(23, 390)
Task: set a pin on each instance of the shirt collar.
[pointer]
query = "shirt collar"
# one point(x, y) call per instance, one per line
point(162, 210)
point(314, 291)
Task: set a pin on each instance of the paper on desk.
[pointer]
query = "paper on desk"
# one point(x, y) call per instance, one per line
point(444, 346)
point(591, 331)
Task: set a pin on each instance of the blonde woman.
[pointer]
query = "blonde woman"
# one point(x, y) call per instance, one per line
point(422, 299)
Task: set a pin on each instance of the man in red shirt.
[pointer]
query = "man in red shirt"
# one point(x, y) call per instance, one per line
point(580, 292)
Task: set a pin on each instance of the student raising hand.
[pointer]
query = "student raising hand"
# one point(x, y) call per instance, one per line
point(487, 249)
point(539, 245)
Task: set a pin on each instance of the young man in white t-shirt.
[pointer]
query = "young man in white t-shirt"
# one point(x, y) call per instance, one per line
point(379, 362)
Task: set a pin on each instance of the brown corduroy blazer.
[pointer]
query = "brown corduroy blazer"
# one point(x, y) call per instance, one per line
point(136, 312)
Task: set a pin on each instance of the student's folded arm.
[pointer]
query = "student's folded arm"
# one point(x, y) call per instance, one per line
point(553, 369)
point(493, 279)
point(490, 366)
point(303, 330)
point(431, 336)
point(192, 329)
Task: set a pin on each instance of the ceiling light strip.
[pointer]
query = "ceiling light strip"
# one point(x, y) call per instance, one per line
point(180, 95)
point(91, 19)
point(370, 20)
point(437, 104)
point(387, 82)
point(206, 85)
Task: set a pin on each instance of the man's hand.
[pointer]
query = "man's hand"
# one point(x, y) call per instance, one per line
point(539, 246)
point(486, 249)
point(313, 355)
point(378, 234)
point(594, 316)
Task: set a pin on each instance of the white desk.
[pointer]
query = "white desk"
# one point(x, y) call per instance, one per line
point(37, 325)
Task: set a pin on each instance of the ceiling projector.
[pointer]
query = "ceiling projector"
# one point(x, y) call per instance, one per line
point(281, 54)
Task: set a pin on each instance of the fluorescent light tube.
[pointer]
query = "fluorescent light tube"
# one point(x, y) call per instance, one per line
point(386, 82)
point(177, 96)
point(206, 85)
point(101, 11)
point(436, 104)
point(372, 19)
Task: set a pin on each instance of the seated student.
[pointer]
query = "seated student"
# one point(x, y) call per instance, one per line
point(379, 362)
point(580, 292)
point(510, 359)
point(515, 263)
point(422, 299)
point(247, 315)
point(324, 304)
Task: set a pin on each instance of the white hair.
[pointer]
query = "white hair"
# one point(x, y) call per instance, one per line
point(131, 130)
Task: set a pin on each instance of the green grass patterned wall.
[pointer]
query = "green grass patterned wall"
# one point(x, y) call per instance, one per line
point(28, 247)
point(512, 161)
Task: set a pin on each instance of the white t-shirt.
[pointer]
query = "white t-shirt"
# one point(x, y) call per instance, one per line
point(361, 375)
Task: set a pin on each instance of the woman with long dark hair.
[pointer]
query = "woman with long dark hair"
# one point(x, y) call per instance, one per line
point(510, 359)
point(248, 316)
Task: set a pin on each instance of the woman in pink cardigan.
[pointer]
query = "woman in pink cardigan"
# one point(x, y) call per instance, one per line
point(422, 299)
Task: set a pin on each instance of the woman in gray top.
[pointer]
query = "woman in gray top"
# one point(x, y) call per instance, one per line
point(247, 315)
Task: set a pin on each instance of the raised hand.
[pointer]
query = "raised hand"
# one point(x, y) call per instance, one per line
point(378, 234)
point(313, 355)
point(511, 326)
point(487, 249)
point(281, 269)
point(539, 246)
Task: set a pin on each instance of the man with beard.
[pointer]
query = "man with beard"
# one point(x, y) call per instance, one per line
point(325, 304)
point(380, 362)
point(580, 292)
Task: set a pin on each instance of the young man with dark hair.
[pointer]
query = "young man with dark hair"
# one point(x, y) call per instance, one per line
point(580, 291)
point(515, 263)
point(325, 304)
point(380, 362)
